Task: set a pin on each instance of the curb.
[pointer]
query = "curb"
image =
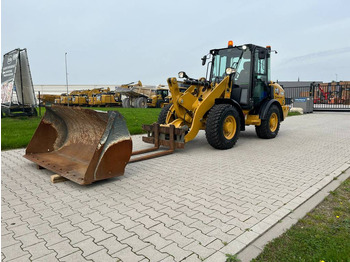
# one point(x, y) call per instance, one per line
point(256, 247)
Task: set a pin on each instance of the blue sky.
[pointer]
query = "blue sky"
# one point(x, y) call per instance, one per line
point(115, 42)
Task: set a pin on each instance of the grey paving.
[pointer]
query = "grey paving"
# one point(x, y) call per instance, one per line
point(195, 205)
point(256, 247)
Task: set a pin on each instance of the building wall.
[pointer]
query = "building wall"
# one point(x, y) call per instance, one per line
point(297, 83)
point(59, 89)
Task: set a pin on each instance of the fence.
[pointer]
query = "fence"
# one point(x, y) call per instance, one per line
point(325, 96)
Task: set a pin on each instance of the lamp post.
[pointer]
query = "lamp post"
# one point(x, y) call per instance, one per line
point(65, 56)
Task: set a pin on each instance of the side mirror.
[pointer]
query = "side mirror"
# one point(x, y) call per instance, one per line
point(182, 74)
point(204, 59)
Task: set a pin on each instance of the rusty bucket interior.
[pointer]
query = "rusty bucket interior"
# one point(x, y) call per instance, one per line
point(81, 145)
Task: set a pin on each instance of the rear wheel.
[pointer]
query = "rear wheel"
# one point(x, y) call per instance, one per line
point(126, 102)
point(270, 126)
point(141, 102)
point(223, 126)
point(163, 114)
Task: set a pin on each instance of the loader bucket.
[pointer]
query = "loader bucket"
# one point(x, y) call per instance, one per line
point(81, 145)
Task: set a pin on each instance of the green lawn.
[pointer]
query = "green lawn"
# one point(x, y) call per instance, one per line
point(293, 114)
point(16, 132)
point(135, 117)
point(322, 235)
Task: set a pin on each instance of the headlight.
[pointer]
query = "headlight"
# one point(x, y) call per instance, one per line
point(182, 74)
point(230, 71)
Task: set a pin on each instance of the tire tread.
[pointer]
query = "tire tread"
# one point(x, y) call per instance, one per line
point(213, 132)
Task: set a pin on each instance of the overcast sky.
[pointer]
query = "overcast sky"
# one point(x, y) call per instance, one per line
point(115, 42)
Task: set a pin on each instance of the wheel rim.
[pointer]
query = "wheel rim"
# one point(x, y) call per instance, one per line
point(273, 122)
point(229, 127)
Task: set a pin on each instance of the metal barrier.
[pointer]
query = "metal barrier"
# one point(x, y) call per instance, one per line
point(333, 96)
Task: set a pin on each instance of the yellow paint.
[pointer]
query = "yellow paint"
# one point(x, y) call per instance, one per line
point(191, 105)
point(154, 101)
point(273, 122)
point(230, 127)
point(177, 123)
point(252, 120)
point(208, 96)
point(157, 97)
point(278, 93)
point(285, 110)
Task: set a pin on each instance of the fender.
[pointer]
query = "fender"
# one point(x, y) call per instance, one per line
point(266, 106)
point(236, 105)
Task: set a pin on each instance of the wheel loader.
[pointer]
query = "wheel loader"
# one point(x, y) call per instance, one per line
point(86, 146)
point(158, 100)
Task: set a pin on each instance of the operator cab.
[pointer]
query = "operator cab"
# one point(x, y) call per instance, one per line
point(249, 67)
point(163, 93)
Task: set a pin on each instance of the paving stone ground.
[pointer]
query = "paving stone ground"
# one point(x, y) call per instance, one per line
point(195, 205)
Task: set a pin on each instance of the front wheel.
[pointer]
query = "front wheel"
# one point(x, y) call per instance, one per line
point(160, 104)
point(164, 113)
point(223, 126)
point(270, 126)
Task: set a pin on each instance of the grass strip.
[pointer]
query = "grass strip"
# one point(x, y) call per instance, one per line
point(16, 132)
point(322, 235)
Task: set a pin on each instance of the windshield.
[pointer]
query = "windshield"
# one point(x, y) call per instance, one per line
point(231, 57)
point(163, 93)
point(222, 59)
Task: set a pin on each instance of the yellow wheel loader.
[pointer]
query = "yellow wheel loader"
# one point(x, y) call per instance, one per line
point(158, 99)
point(85, 146)
point(237, 93)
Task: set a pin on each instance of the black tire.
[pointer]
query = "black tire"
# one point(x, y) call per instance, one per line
point(269, 129)
point(215, 132)
point(160, 104)
point(163, 114)
point(141, 102)
point(126, 102)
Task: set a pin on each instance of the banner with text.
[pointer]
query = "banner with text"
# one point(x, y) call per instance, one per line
point(8, 73)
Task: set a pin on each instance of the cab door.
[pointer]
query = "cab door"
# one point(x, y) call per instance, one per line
point(260, 87)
